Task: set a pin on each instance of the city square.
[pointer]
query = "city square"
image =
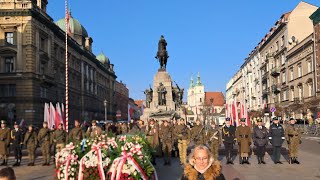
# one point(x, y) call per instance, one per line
point(159, 90)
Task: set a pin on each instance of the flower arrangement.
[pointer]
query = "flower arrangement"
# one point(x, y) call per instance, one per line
point(105, 157)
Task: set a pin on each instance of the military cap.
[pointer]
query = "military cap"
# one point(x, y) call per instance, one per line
point(94, 121)
point(151, 120)
point(15, 123)
point(45, 122)
point(227, 119)
point(259, 120)
point(3, 122)
point(275, 118)
point(243, 120)
point(292, 119)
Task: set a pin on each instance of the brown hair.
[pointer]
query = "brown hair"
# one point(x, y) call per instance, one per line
point(7, 172)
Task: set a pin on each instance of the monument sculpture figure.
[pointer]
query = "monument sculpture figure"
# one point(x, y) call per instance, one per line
point(162, 95)
point(162, 54)
point(148, 93)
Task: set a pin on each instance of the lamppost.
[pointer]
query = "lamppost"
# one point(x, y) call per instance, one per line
point(105, 110)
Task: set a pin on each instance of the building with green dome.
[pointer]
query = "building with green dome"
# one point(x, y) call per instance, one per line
point(32, 67)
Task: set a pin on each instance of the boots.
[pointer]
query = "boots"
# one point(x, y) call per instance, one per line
point(262, 160)
point(16, 163)
point(259, 160)
point(19, 161)
point(3, 163)
point(241, 160)
point(291, 160)
point(296, 161)
point(247, 160)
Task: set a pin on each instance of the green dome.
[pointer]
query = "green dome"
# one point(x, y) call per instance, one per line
point(103, 58)
point(75, 27)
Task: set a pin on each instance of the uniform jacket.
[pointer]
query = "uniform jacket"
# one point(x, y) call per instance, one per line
point(16, 137)
point(153, 136)
point(228, 134)
point(198, 134)
point(93, 132)
point(59, 136)
point(166, 134)
point(76, 135)
point(243, 135)
point(181, 132)
point(276, 135)
point(30, 139)
point(213, 173)
point(213, 136)
point(4, 140)
point(260, 136)
point(293, 134)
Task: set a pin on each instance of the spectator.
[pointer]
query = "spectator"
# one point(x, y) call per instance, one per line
point(7, 174)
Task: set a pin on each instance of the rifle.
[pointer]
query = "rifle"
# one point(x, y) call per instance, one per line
point(214, 136)
point(197, 137)
point(42, 138)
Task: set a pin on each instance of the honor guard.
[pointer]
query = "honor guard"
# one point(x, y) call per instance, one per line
point(197, 133)
point(153, 138)
point(293, 137)
point(4, 142)
point(243, 135)
point(30, 141)
point(276, 138)
point(213, 138)
point(93, 131)
point(166, 138)
point(17, 141)
point(228, 139)
point(59, 138)
point(76, 134)
point(44, 141)
point(181, 133)
point(260, 140)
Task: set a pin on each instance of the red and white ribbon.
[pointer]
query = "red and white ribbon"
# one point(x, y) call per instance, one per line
point(94, 148)
point(67, 161)
point(118, 166)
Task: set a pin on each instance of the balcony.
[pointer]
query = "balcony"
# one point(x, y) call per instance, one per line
point(275, 72)
point(275, 88)
point(298, 100)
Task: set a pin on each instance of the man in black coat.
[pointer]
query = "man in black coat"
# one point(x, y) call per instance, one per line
point(17, 141)
point(260, 140)
point(228, 138)
point(276, 137)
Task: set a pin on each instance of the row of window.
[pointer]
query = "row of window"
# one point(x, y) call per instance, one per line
point(8, 90)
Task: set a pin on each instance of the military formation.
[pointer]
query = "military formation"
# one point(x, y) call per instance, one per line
point(168, 138)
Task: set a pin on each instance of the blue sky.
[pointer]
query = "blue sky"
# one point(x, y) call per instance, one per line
point(207, 36)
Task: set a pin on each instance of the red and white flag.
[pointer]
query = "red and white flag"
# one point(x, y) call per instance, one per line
point(52, 115)
point(46, 117)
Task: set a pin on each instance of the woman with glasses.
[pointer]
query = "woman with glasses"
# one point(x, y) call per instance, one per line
point(202, 166)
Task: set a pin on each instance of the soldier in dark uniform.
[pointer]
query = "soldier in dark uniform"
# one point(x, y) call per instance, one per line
point(17, 141)
point(260, 140)
point(197, 133)
point(228, 139)
point(76, 134)
point(31, 141)
point(243, 135)
point(44, 140)
point(4, 142)
point(293, 137)
point(166, 137)
point(276, 138)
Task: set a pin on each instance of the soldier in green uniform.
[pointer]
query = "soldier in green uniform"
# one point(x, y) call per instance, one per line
point(197, 133)
point(213, 138)
point(293, 137)
point(153, 138)
point(243, 135)
point(76, 134)
point(59, 138)
point(30, 141)
point(4, 142)
point(166, 137)
point(93, 131)
point(44, 140)
point(181, 132)
point(17, 141)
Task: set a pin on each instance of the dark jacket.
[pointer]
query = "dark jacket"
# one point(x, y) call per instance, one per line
point(229, 134)
point(212, 173)
point(260, 136)
point(276, 135)
point(16, 137)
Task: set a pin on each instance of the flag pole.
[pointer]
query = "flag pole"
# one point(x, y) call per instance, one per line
point(67, 80)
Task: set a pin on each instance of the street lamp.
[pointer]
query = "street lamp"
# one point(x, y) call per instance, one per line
point(105, 110)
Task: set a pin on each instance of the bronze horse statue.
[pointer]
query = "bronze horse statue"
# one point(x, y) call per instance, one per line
point(162, 54)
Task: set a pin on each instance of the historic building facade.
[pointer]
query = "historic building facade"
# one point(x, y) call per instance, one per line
point(32, 66)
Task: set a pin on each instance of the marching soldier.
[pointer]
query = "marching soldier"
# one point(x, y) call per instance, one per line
point(76, 134)
point(4, 142)
point(213, 137)
point(228, 139)
point(59, 138)
point(243, 135)
point(276, 138)
point(181, 132)
point(17, 141)
point(260, 139)
point(166, 137)
point(153, 138)
point(44, 140)
point(293, 137)
point(93, 131)
point(30, 141)
point(197, 133)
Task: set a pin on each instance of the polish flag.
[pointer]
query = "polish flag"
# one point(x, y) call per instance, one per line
point(59, 115)
point(53, 115)
point(47, 115)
